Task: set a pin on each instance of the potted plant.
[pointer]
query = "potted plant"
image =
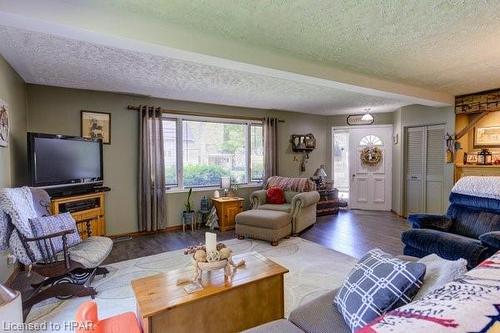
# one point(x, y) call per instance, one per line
point(188, 213)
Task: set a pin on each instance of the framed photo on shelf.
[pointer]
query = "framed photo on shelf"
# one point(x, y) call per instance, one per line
point(495, 158)
point(471, 158)
point(96, 125)
point(486, 137)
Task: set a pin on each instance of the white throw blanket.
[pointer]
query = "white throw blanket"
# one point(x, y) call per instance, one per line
point(17, 203)
point(485, 187)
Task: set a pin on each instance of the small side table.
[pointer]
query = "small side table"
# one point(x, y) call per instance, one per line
point(227, 209)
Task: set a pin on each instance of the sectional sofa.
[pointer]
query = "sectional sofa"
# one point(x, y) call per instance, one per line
point(470, 303)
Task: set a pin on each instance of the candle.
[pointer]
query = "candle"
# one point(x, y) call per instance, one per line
point(210, 241)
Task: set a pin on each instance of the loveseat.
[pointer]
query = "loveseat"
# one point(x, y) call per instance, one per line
point(470, 229)
point(300, 196)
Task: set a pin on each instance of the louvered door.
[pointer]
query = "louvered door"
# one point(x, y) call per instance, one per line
point(415, 166)
point(434, 173)
point(425, 169)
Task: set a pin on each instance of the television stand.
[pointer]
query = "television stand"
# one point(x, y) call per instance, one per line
point(82, 207)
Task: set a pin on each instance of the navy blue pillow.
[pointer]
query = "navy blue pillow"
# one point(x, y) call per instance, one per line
point(378, 283)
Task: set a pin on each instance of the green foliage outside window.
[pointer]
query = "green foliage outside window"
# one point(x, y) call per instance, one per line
point(203, 175)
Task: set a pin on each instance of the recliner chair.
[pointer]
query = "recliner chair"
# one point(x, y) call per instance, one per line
point(470, 229)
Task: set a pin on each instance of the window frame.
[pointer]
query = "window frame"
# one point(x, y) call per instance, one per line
point(221, 120)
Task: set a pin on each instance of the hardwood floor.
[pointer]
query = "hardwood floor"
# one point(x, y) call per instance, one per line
point(353, 232)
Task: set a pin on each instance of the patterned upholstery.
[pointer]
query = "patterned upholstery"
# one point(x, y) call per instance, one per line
point(378, 283)
point(91, 252)
point(470, 303)
point(291, 183)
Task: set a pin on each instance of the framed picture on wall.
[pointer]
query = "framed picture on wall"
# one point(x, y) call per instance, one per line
point(4, 124)
point(485, 137)
point(96, 125)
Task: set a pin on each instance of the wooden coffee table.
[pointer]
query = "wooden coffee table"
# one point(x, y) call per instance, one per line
point(254, 297)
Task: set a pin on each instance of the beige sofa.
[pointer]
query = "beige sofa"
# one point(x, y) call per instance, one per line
point(300, 205)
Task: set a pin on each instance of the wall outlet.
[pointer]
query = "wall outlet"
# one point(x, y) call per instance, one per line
point(11, 259)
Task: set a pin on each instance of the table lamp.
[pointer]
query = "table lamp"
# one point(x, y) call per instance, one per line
point(11, 308)
point(225, 184)
point(320, 175)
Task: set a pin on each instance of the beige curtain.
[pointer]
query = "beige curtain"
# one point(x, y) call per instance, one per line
point(270, 147)
point(152, 210)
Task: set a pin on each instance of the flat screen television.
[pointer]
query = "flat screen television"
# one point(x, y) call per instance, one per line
point(57, 161)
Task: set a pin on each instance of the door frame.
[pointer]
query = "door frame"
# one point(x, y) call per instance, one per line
point(332, 160)
point(391, 171)
point(404, 174)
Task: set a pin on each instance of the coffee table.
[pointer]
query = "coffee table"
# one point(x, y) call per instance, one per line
point(255, 296)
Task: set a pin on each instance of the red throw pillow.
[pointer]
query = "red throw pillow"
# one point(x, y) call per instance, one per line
point(275, 195)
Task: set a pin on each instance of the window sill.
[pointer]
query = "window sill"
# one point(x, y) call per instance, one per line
point(207, 189)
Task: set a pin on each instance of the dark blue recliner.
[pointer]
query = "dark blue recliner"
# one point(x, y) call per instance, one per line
point(470, 230)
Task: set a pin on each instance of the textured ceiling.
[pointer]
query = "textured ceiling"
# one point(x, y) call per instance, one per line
point(446, 45)
point(51, 60)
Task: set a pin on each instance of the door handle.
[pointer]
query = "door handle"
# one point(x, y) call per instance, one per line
point(353, 175)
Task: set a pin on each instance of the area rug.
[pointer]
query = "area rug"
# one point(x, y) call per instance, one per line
point(313, 270)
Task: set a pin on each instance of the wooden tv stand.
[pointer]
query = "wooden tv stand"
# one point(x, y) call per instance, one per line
point(81, 207)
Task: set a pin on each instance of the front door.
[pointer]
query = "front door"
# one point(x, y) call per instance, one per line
point(370, 150)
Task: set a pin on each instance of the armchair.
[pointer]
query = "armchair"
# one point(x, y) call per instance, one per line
point(67, 270)
point(470, 229)
point(301, 205)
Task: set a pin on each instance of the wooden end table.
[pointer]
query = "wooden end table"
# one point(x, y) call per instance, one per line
point(227, 209)
point(254, 297)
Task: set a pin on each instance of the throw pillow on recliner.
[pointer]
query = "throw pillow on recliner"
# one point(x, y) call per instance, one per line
point(275, 195)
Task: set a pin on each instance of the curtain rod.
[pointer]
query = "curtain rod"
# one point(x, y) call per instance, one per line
point(199, 114)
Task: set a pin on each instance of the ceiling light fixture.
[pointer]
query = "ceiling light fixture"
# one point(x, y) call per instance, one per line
point(367, 116)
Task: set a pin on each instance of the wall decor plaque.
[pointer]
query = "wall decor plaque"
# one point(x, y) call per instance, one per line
point(4, 124)
point(486, 137)
point(356, 120)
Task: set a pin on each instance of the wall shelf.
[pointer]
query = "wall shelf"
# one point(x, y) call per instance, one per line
point(463, 170)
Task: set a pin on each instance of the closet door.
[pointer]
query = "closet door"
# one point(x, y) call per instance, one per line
point(415, 166)
point(434, 173)
point(425, 169)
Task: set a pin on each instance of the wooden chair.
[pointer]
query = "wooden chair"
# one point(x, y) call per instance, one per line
point(63, 277)
point(66, 273)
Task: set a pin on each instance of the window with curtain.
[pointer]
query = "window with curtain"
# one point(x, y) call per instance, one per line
point(199, 151)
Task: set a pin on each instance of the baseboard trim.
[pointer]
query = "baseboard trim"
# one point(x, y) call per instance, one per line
point(173, 228)
point(392, 210)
